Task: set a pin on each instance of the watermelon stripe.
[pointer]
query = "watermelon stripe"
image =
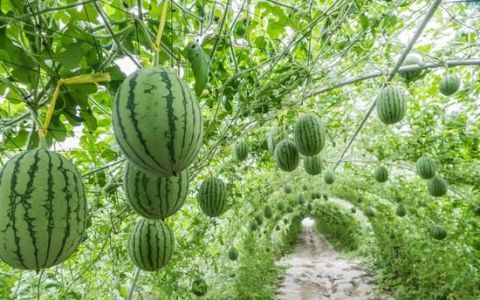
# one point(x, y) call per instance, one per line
point(149, 254)
point(68, 196)
point(170, 134)
point(49, 207)
point(132, 154)
point(131, 106)
point(27, 206)
point(11, 215)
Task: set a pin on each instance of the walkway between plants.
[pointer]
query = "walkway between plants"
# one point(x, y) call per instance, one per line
point(316, 271)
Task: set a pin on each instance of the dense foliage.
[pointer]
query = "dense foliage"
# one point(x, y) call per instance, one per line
point(250, 70)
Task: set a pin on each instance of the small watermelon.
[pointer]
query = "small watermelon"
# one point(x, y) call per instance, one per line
point(212, 197)
point(253, 225)
point(287, 188)
point(259, 220)
point(240, 150)
point(313, 165)
point(437, 186)
point(273, 138)
point(232, 253)
point(426, 167)
point(449, 84)
point(152, 196)
point(286, 155)
point(411, 60)
point(199, 287)
point(267, 212)
point(300, 198)
point(309, 135)
point(370, 212)
point(401, 211)
point(438, 232)
point(329, 177)
point(150, 244)
point(381, 174)
point(391, 104)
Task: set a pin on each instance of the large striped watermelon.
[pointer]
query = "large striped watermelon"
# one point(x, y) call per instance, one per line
point(449, 84)
point(313, 165)
point(43, 211)
point(212, 196)
point(381, 174)
point(286, 155)
point(426, 167)
point(391, 104)
point(240, 150)
point(411, 60)
point(309, 135)
point(152, 196)
point(157, 122)
point(273, 138)
point(150, 244)
point(437, 186)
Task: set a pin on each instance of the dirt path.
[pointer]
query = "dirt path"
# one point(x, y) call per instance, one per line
point(315, 271)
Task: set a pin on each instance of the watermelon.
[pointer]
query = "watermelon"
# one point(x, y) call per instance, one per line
point(152, 196)
point(370, 212)
point(391, 104)
point(287, 189)
point(449, 84)
point(300, 198)
point(286, 155)
point(438, 232)
point(253, 225)
point(381, 174)
point(212, 197)
point(267, 212)
point(437, 186)
point(409, 61)
point(289, 209)
point(401, 211)
point(353, 210)
point(199, 287)
point(313, 165)
point(232, 253)
point(240, 150)
point(426, 167)
point(309, 135)
point(157, 122)
point(273, 138)
point(43, 210)
point(150, 244)
point(329, 177)
point(277, 228)
point(280, 206)
point(259, 219)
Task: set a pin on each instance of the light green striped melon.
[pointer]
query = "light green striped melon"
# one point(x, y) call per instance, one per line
point(449, 84)
point(381, 174)
point(286, 155)
point(426, 167)
point(329, 177)
point(437, 186)
point(411, 60)
point(240, 150)
point(313, 165)
point(157, 122)
point(150, 245)
point(309, 135)
point(273, 138)
point(43, 211)
point(154, 197)
point(391, 104)
point(212, 196)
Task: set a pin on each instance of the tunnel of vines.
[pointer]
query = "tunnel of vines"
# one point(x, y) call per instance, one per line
point(172, 149)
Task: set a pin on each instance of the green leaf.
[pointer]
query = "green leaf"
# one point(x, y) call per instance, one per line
point(200, 66)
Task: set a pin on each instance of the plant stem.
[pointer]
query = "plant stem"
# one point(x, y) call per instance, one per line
point(132, 288)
